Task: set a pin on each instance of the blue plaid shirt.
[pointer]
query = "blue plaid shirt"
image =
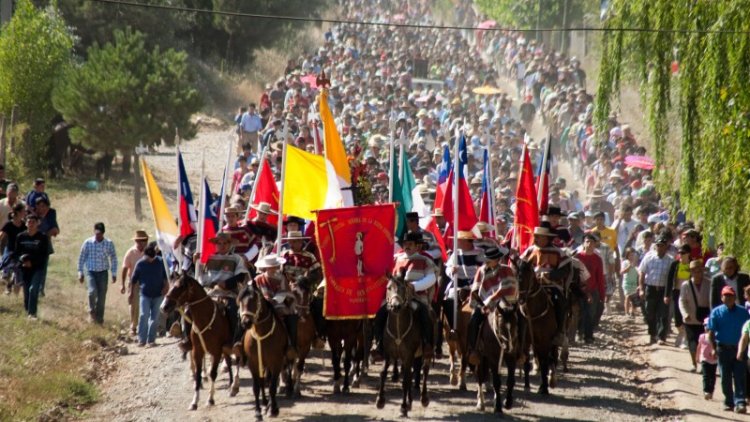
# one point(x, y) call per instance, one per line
point(94, 255)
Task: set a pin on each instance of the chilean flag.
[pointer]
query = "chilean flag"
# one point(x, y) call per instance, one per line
point(443, 172)
point(210, 220)
point(188, 217)
point(542, 179)
point(487, 206)
point(467, 217)
point(527, 212)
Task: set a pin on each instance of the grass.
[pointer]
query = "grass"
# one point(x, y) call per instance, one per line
point(47, 363)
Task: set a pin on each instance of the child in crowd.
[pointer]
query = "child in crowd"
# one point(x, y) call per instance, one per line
point(629, 274)
point(708, 362)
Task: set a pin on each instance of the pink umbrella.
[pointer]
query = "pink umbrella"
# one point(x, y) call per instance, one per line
point(310, 80)
point(640, 161)
point(399, 18)
point(487, 24)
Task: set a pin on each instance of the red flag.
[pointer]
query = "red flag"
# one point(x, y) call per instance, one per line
point(356, 252)
point(467, 216)
point(265, 191)
point(433, 228)
point(527, 210)
point(210, 223)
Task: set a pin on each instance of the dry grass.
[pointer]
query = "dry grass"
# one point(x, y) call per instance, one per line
point(43, 363)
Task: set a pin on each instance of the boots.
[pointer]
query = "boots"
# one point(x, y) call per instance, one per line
point(316, 311)
point(474, 324)
point(427, 329)
point(291, 327)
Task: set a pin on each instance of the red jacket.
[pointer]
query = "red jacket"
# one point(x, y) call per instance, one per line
point(595, 266)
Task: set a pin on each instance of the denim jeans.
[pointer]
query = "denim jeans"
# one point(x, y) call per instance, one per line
point(149, 320)
point(588, 313)
point(43, 281)
point(732, 369)
point(96, 282)
point(657, 312)
point(31, 284)
point(709, 377)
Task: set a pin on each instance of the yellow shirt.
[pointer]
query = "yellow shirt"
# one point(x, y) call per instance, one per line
point(609, 237)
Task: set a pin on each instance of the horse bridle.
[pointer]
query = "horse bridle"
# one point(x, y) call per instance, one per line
point(254, 315)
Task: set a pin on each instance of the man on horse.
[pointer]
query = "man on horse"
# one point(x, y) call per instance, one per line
point(244, 238)
point(551, 265)
point(265, 233)
point(493, 285)
point(303, 269)
point(431, 245)
point(420, 271)
point(462, 267)
point(223, 272)
point(275, 288)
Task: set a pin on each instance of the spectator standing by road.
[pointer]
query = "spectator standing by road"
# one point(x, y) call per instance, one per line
point(708, 361)
point(97, 258)
point(731, 276)
point(725, 326)
point(10, 201)
point(132, 256)
point(652, 282)
point(47, 225)
point(694, 306)
point(595, 289)
point(36, 193)
point(150, 274)
point(32, 249)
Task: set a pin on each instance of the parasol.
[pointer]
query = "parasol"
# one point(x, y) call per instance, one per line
point(399, 17)
point(487, 24)
point(640, 161)
point(310, 80)
point(486, 90)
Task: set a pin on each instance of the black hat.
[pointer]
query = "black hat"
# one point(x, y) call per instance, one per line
point(412, 216)
point(493, 253)
point(553, 210)
point(662, 240)
point(412, 237)
point(591, 236)
point(599, 214)
point(297, 220)
point(99, 227)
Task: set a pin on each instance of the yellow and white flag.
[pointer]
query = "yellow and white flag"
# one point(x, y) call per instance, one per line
point(334, 149)
point(310, 183)
point(166, 227)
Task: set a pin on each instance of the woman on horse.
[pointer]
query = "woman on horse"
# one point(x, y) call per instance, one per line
point(273, 284)
point(493, 283)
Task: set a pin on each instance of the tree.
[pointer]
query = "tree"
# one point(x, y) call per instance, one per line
point(125, 95)
point(708, 96)
point(34, 47)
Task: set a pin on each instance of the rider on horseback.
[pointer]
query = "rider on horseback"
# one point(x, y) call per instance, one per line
point(303, 269)
point(493, 283)
point(551, 265)
point(461, 268)
point(275, 289)
point(223, 272)
point(419, 270)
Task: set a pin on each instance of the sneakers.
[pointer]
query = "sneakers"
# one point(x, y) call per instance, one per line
point(661, 342)
point(740, 408)
point(728, 407)
point(32, 318)
point(150, 345)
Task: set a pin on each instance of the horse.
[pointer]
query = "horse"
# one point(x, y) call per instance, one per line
point(264, 345)
point(402, 340)
point(501, 340)
point(537, 308)
point(210, 333)
point(574, 295)
point(305, 338)
point(457, 347)
point(347, 338)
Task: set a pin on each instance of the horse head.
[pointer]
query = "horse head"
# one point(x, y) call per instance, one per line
point(525, 273)
point(398, 293)
point(185, 289)
point(250, 302)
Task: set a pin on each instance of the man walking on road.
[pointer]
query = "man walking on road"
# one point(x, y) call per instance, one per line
point(652, 281)
point(725, 326)
point(131, 257)
point(150, 274)
point(96, 253)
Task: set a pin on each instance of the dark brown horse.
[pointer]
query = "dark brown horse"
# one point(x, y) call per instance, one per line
point(347, 339)
point(402, 341)
point(537, 308)
point(210, 332)
point(305, 339)
point(265, 343)
point(457, 348)
point(574, 294)
point(501, 341)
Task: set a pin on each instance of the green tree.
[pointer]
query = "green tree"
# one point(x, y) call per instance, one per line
point(34, 46)
point(708, 98)
point(125, 95)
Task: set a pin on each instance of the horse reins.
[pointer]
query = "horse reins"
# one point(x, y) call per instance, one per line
point(254, 331)
point(193, 325)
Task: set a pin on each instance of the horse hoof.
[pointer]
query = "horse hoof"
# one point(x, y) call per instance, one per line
point(425, 401)
point(336, 389)
point(355, 383)
point(454, 379)
point(193, 407)
point(258, 416)
point(380, 402)
point(404, 412)
point(498, 410)
point(527, 388)
point(462, 387)
point(265, 401)
point(553, 382)
point(480, 407)
point(508, 404)
point(234, 391)
point(565, 369)
point(345, 390)
point(544, 391)
point(274, 412)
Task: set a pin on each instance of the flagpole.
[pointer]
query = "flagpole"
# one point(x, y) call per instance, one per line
point(223, 199)
point(202, 215)
point(280, 223)
point(456, 172)
point(251, 200)
point(391, 161)
point(543, 172)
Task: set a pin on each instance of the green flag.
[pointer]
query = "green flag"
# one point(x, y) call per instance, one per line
point(408, 184)
point(401, 209)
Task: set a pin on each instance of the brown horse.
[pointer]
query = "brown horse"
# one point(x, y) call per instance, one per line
point(210, 333)
point(501, 340)
point(574, 294)
point(457, 347)
point(305, 338)
point(347, 339)
point(265, 343)
point(402, 341)
point(537, 308)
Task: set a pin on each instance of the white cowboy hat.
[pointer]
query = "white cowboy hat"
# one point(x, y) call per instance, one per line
point(270, 261)
point(295, 235)
point(264, 207)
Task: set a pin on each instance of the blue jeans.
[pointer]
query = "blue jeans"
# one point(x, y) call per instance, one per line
point(44, 275)
point(96, 282)
point(732, 369)
point(148, 322)
point(31, 284)
point(588, 313)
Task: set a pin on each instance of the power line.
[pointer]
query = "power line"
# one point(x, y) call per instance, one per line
point(406, 25)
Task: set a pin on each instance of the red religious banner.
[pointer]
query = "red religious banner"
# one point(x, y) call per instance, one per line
point(356, 252)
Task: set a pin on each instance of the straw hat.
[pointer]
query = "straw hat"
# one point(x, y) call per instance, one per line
point(264, 207)
point(221, 236)
point(140, 235)
point(483, 227)
point(465, 235)
point(232, 210)
point(295, 235)
point(270, 261)
point(544, 231)
point(438, 212)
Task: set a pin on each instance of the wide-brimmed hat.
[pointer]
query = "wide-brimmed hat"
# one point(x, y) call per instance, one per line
point(270, 261)
point(232, 210)
point(264, 207)
point(495, 253)
point(438, 212)
point(544, 231)
point(554, 210)
point(295, 235)
point(483, 227)
point(221, 236)
point(466, 235)
point(140, 235)
point(412, 237)
point(597, 193)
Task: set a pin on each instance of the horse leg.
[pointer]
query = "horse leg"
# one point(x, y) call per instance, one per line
point(356, 373)
point(263, 397)
point(336, 361)
point(215, 361)
point(526, 372)
point(273, 408)
point(481, 376)
point(416, 370)
point(496, 383)
point(395, 376)
point(347, 368)
point(425, 399)
point(462, 374)
point(297, 377)
point(257, 386)
point(454, 369)
point(234, 378)
point(544, 372)
point(553, 368)
point(198, 377)
point(288, 379)
point(510, 363)
point(380, 399)
point(406, 390)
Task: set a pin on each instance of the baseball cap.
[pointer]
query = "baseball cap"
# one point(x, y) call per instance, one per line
point(727, 290)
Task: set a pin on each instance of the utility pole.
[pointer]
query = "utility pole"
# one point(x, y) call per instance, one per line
point(538, 20)
point(564, 33)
